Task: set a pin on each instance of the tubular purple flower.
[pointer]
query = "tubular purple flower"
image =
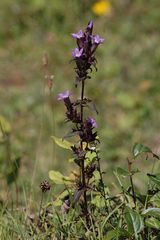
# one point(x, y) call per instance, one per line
point(97, 40)
point(92, 122)
point(63, 95)
point(78, 35)
point(76, 53)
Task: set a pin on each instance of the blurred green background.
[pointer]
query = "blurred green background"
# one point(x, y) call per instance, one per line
point(125, 89)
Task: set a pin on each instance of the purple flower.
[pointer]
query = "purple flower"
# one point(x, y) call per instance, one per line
point(63, 95)
point(97, 40)
point(76, 53)
point(78, 35)
point(92, 122)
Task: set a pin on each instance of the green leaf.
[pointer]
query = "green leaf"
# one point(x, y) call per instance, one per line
point(58, 178)
point(90, 156)
point(155, 178)
point(155, 199)
point(96, 175)
point(154, 212)
point(59, 199)
point(62, 143)
point(98, 201)
point(139, 149)
point(142, 197)
point(116, 234)
point(122, 172)
point(134, 221)
point(5, 126)
point(153, 223)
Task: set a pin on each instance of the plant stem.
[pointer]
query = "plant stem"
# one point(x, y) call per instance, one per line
point(131, 181)
point(134, 195)
point(40, 206)
point(148, 185)
point(102, 182)
point(82, 162)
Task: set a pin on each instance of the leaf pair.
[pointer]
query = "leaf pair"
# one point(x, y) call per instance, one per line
point(138, 149)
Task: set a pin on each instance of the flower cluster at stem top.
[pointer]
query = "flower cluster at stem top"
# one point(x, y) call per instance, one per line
point(84, 57)
point(83, 54)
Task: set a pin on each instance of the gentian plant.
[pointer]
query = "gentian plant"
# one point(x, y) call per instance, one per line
point(85, 150)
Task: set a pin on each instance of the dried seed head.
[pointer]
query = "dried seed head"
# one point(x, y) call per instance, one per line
point(45, 186)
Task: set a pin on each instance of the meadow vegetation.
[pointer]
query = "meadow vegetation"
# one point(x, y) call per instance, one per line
point(40, 197)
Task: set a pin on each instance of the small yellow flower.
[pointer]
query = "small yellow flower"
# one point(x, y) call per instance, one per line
point(102, 7)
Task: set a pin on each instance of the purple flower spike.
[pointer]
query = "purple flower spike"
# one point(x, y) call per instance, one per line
point(97, 40)
point(78, 35)
point(76, 53)
point(92, 122)
point(63, 95)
